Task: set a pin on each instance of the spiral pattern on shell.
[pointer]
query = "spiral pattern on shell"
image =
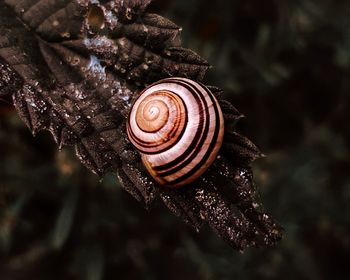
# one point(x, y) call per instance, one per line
point(177, 125)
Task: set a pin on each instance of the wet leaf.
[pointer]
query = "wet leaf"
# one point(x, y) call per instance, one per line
point(74, 68)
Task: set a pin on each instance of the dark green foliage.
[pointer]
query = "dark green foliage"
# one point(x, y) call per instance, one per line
point(285, 65)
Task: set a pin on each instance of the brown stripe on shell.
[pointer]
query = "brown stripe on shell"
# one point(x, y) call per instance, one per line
point(198, 135)
point(173, 136)
point(195, 153)
point(206, 160)
point(189, 159)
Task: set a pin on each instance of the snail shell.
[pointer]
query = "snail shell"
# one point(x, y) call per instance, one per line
point(177, 125)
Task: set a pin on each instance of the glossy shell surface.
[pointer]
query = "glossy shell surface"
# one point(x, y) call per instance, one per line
point(177, 125)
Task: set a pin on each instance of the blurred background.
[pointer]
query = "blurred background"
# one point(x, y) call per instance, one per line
point(285, 64)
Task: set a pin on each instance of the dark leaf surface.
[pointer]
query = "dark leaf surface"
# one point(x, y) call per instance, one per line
point(74, 68)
